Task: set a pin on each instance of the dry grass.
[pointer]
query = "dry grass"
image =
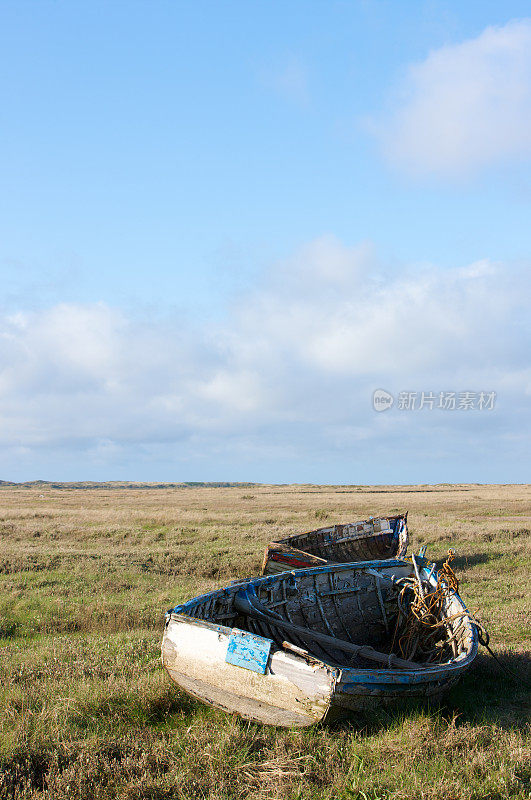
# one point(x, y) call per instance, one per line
point(85, 577)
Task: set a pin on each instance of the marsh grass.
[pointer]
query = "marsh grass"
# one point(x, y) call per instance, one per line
point(87, 712)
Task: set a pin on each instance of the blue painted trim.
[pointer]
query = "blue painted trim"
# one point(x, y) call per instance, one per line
point(268, 580)
point(394, 677)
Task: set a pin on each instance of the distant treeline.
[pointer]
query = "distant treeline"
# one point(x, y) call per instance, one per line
point(121, 485)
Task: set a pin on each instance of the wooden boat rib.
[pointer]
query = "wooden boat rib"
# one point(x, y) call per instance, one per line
point(296, 648)
point(375, 538)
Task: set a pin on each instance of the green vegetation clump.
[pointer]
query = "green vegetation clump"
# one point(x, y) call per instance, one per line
point(88, 712)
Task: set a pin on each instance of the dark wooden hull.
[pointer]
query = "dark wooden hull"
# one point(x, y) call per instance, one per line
point(339, 544)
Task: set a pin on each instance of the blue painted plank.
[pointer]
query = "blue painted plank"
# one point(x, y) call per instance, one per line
point(396, 676)
point(248, 651)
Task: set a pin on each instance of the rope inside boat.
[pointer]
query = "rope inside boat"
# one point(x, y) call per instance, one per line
point(421, 628)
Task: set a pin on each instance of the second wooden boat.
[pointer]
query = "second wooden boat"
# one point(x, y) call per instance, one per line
point(374, 538)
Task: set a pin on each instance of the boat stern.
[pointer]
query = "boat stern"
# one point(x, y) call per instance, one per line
point(246, 674)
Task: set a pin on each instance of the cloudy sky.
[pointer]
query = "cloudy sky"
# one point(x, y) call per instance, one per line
point(225, 225)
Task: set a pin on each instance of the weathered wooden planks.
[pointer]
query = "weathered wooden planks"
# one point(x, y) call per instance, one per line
point(378, 538)
point(309, 677)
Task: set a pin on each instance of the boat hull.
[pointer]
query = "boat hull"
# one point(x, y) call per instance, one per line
point(339, 544)
point(306, 680)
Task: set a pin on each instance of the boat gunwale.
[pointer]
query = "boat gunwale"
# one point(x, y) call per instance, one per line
point(264, 580)
point(289, 539)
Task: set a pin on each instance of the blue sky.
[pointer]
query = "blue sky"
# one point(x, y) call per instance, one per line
point(223, 225)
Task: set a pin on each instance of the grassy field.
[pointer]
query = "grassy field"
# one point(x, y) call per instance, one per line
point(87, 712)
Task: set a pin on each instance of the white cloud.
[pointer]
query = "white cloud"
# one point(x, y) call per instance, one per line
point(465, 107)
point(358, 321)
point(291, 372)
point(234, 390)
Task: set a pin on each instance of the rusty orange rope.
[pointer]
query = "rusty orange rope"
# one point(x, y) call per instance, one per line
point(420, 626)
point(422, 631)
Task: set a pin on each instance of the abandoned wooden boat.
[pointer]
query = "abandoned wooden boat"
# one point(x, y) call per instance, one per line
point(299, 647)
point(374, 538)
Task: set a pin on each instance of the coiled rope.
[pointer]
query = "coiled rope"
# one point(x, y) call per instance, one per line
point(422, 631)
